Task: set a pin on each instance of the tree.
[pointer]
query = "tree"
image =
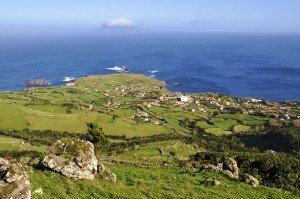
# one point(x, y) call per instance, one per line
point(95, 133)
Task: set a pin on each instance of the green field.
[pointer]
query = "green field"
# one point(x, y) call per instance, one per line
point(138, 122)
point(46, 108)
point(150, 152)
point(14, 144)
point(135, 182)
point(112, 101)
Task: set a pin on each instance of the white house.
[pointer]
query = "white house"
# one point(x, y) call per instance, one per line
point(184, 98)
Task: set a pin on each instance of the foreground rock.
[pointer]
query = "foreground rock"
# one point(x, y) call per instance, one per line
point(72, 158)
point(14, 181)
point(36, 82)
point(76, 159)
point(252, 181)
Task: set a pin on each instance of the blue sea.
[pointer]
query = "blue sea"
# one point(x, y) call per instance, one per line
point(243, 65)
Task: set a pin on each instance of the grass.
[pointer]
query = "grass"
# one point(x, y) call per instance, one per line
point(45, 108)
point(130, 128)
point(13, 144)
point(217, 131)
point(204, 124)
point(135, 182)
point(241, 128)
point(250, 120)
point(11, 116)
point(150, 152)
point(60, 122)
point(49, 108)
point(225, 124)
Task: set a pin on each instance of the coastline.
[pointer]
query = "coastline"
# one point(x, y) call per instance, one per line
point(168, 86)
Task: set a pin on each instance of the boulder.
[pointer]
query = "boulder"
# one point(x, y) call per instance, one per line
point(252, 181)
point(161, 151)
point(229, 164)
point(14, 181)
point(271, 152)
point(210, 182)
point(217, 182)
point(72, 158)
point(38, 191)
point(76, 159)
point(36, 82)
point(229, 174)
point(212, 167)
point(106, 174)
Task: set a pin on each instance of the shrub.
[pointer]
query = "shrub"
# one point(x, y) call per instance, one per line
point(95, 134)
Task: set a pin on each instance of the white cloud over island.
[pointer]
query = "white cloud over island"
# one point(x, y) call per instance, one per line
point(122, 25)
point(120, 22)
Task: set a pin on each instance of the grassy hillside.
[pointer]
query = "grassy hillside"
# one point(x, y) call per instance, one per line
point(70, 108)
point(157, 141)
point(119, 104)
point(135, 182)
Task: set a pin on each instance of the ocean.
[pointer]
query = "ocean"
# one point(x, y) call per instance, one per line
point(242, 65)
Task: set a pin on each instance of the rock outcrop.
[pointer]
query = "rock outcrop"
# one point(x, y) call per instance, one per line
point(36, 82)
point(14, 181)
point(252, 181)
point(106, 173)
point(212, 167)
point(72, 158)
point(228, 166)
point(76, 159)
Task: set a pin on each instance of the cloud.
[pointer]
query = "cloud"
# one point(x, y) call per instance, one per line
point(122, 25)
point(120, 22)
point(198, 22)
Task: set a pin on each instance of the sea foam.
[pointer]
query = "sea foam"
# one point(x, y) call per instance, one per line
point(67, 79)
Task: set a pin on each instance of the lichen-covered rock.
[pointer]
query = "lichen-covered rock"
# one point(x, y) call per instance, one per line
point(72, 158)
point(212, 167)
point(229, 164)
point(252, 181)
point(106, 174)
point(14, 181)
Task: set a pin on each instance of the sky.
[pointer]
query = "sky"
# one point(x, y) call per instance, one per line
point(258, 16)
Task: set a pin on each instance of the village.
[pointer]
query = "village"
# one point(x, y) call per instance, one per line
point(148, 96)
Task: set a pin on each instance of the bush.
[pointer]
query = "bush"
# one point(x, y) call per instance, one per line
point(37, 137)
point(95, 134)
point(280, 170)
